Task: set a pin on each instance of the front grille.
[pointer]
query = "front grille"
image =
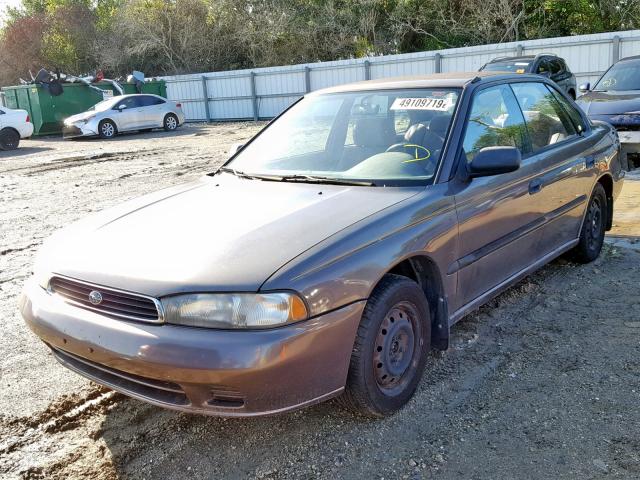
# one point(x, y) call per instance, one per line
point(149, 388)
point(113, 302)
point(71, 131)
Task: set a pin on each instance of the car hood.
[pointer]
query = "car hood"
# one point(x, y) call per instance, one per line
point(79, 116)
point(610, 103)
point(220, 233)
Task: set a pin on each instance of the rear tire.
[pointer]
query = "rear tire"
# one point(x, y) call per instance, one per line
point(170, 122)
point(9, 139)
point(390, 350)
point(593, 228)
point(107, 129)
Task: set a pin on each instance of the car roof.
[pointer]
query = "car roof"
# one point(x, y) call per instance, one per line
point(134, 95)
point(523, 57)
point(635, 57)
point(436, 80)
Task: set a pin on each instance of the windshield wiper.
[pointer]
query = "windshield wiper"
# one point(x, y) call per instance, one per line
point(251, 176)
point(326, 180)
point(297, 178)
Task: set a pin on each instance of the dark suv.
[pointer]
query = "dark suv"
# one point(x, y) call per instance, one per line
point(546, 64)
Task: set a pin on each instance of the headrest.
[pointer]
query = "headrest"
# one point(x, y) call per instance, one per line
point(415, 133)
point(371, 132)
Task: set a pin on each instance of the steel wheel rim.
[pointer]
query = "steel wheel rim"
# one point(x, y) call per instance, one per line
point(107, 130)
point(395, 347)
point(595, 223)
point(171, 123)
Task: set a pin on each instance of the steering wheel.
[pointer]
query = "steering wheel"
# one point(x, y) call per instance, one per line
point(418, 152)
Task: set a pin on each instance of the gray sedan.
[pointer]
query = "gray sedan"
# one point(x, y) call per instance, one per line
point(332, 251)
point(125, 113)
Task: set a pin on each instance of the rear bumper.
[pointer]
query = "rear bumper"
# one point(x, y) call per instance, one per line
point(26, 131)
point(215, 372)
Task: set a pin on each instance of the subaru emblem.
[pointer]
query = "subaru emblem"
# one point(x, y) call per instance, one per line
point(95, 297)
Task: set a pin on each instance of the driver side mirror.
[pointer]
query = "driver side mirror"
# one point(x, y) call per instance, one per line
point(235, 148)
point(494, 160)
point(585, 87)
point(121, 107)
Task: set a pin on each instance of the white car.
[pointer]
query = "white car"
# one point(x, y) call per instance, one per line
point(14, 125)
point(125, 113)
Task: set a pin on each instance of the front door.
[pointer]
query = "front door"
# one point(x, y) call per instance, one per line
point(131, 116)
point(498, 217)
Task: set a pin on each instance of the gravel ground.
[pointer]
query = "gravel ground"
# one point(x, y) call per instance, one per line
point(544, 382)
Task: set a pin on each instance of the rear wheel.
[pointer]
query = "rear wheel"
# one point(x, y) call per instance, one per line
point(390, 350)
point(593, 228)
point(170, 122)
point(9, 139)
point(107, 129)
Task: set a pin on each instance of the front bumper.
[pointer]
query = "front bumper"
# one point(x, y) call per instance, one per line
point(77, 130)
point(215, 372)
point(628, 127)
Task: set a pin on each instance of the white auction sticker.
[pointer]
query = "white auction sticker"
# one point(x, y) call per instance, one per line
point(424, 103)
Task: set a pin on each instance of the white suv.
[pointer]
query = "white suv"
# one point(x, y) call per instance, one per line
point(14, 125)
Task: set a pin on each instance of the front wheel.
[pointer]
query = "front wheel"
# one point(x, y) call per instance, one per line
point(107, 129)
point(390, 350)
point(593, 228)
point(9, 139)
point(170, 122)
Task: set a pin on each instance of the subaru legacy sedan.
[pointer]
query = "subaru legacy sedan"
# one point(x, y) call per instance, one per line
point(333, 250)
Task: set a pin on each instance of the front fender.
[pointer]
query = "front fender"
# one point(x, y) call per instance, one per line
point(346, 267)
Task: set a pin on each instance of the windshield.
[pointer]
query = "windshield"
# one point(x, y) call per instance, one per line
point(380, 137)
point(104, 105)
point(508, 66)
point(621, 76)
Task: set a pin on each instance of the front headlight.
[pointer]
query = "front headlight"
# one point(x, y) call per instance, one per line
point(234, 310)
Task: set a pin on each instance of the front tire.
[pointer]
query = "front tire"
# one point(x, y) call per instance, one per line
point(593, 228)
point(107, 129)
point(9, 139)
point(391, 348)
point(170, 122)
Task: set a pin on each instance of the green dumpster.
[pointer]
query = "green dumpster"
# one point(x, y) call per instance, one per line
point(48, 112)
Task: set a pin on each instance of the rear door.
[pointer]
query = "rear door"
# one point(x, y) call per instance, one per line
point(561, 155)
point(498, 218)
point(153, 109)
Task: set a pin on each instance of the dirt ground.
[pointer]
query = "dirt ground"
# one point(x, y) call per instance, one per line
point(544, 382)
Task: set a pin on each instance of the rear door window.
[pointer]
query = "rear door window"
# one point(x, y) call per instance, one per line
point(149, 101)
point(495, 120)
point(546, 120)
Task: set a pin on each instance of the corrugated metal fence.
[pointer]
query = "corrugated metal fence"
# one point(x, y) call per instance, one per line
point(263, 93)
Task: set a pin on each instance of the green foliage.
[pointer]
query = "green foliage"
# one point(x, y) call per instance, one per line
point(180, 36)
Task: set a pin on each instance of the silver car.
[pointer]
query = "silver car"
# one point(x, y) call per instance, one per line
point(125, 113)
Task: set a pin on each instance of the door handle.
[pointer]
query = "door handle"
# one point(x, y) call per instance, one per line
point(590, 161)
point(535, 186)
